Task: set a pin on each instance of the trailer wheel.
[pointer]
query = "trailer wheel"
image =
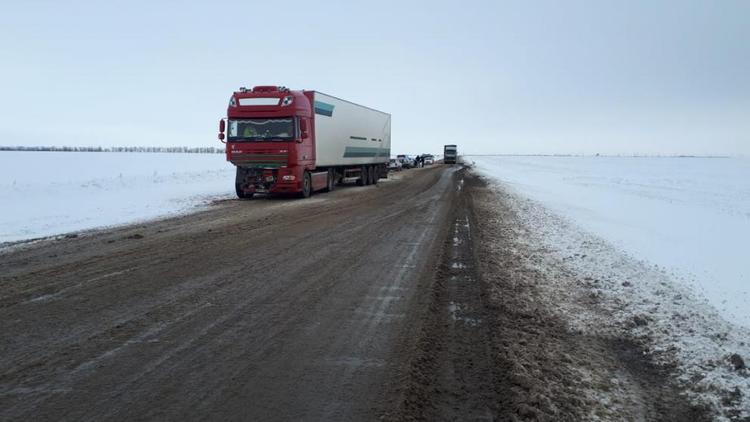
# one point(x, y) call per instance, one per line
point(375, 174)
point(307, 185)
point(371, 172)
point(241, 192)
point(363, 176)
point(331, 180)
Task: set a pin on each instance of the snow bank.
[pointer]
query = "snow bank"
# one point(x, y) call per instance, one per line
point(48, 193)
point(689, 216)
point(657, 305)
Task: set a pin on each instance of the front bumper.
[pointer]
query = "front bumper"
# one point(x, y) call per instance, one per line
point(267, 180)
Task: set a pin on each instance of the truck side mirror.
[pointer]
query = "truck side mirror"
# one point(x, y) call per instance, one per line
point(222, 128)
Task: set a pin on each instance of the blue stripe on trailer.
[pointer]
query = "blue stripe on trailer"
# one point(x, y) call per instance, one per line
point(324, 109)
point(352, 152)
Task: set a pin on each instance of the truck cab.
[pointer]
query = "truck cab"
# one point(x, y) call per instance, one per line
point(268, 136)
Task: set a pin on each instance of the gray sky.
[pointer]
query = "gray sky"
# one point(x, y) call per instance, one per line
point(492, 77)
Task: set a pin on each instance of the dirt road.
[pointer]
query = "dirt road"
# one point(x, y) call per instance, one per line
point(281, 309)
point(409, 300)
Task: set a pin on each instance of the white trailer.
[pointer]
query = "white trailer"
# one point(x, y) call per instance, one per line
point(349, 134)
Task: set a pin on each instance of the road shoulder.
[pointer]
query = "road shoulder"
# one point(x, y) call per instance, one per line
point(494, 345)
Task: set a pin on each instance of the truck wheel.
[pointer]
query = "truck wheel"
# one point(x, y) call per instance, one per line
point(307, 185)
point(331, 180)
point(362, 176)
point(241, 192)
point(375, 174)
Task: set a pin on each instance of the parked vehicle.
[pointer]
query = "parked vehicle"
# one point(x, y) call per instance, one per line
point(394, 165)
point(405, 160)
point(428, 159)
point(450, 154)
point(285, 141)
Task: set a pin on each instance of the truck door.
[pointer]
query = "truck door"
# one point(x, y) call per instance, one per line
point(307, 146)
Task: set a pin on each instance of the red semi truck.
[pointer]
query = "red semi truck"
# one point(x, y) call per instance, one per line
point(298, 142)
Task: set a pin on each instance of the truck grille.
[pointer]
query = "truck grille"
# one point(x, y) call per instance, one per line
point(259, 159)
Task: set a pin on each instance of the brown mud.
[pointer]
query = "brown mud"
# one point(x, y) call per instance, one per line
point(407, 300)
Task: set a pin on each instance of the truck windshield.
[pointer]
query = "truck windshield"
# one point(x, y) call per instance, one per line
point(262, 129)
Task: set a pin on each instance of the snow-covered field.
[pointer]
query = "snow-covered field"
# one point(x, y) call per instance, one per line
point(658, 244)
point(689, 216)
point(49, 193)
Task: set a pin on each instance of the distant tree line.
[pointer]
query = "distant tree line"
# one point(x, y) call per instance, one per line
point(187, 150)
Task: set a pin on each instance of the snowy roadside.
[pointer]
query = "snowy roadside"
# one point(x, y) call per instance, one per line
point(690, 216)
point(602, 292)
point(54, 193)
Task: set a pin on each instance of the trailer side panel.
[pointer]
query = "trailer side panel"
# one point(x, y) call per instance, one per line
point(349, 134)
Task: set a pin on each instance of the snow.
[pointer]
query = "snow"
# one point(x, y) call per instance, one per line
point(613, 231)
point(689, 216)
point(50, 193)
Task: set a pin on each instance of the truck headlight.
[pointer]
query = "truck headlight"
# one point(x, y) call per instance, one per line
point(288, 177)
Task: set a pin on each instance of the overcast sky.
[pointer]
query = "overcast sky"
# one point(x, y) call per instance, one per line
point(492, 77)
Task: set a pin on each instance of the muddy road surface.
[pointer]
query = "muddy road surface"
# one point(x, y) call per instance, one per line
point(254, 310)
point(408, 300)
